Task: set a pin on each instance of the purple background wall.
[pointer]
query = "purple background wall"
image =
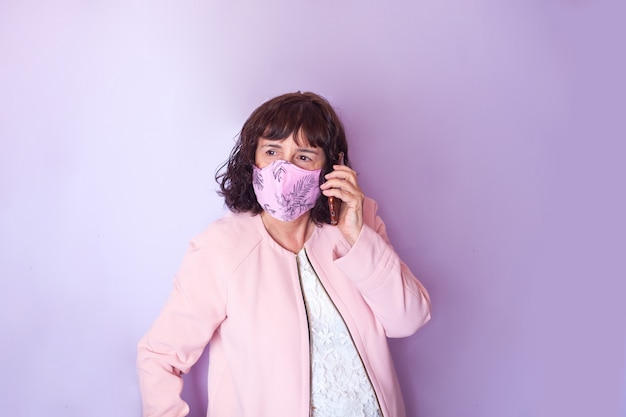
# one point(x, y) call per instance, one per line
point(491, 132)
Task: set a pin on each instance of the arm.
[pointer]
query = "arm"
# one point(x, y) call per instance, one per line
point(179, 335)
point(398, 300)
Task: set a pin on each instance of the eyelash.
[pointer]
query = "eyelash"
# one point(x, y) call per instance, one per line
point(272, 152)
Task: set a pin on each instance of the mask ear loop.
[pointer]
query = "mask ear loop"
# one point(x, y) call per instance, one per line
point(333, 206)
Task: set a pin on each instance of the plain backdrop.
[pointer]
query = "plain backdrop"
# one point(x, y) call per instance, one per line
point(490, 131)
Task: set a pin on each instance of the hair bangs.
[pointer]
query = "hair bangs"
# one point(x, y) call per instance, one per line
point(304, 120)
point(315, 126)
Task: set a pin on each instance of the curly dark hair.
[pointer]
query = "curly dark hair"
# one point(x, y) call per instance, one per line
point(308, 117)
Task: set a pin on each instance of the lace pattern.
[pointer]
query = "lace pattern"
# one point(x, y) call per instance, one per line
point(339, 384)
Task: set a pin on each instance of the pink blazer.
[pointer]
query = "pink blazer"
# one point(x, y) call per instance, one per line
point(238, 290)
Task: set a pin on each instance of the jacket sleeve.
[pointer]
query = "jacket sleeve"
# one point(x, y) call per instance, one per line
point(179, 335)
point(397, 299)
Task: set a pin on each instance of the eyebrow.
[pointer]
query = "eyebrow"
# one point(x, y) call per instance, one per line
point(308, 150)
point(275, 145)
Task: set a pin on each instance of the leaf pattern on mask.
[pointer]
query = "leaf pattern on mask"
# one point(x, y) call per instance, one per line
point(257, 179)
point(295, 202)
point(279, 171)
point(267, 208)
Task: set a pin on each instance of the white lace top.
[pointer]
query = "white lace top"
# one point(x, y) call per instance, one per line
point(339, 384)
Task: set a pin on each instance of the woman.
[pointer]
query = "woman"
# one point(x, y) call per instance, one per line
point(296, 311)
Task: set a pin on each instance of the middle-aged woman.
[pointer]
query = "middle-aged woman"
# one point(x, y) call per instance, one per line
point(296, 311)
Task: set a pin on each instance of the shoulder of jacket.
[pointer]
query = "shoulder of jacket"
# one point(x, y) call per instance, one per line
point(233, 230)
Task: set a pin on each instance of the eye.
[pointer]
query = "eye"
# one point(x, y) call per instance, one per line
point(304, 158)
point(270, 152)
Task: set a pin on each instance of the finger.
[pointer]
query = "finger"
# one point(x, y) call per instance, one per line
point(345, 196)
point(341, 184)
point(351, 197)
point(337, 193)
point(342, 169)
point(344, 175)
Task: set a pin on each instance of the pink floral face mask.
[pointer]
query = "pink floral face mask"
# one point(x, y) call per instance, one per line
point(285, 190)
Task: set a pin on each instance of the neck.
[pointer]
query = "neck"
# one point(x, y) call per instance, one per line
point(290, 235)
